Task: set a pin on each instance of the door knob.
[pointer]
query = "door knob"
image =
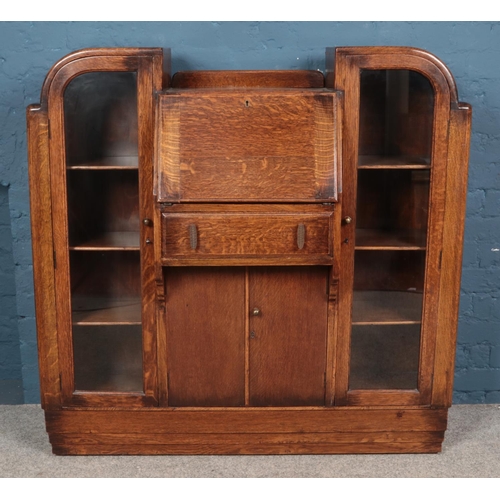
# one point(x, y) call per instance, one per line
point(347, 220)
point(255, 311)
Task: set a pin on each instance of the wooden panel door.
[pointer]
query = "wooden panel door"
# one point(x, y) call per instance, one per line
point(205, 321)
point(288, 330)
point(218, 357)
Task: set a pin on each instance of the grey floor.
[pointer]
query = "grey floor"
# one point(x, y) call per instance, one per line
point(471, 449)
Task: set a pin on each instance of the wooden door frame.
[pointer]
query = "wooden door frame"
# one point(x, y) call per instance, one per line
point(343, 72)
point(147, 64)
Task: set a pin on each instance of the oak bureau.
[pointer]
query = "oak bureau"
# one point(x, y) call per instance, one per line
point(247, 262)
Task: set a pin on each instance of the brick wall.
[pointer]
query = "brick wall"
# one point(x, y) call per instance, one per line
point(10, 355)
point(471, 51)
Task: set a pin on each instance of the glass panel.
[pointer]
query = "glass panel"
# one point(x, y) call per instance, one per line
point(384, 357)
point(396, 113)
point(108, 358)
point(100, 111)
point(103, 209)
point(100, 281)
point(387, 313)
point(106, 315)
point(392, 209)
point(395, 137)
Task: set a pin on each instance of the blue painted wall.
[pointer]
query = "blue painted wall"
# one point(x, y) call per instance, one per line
point(471, 51)
point(11, 387)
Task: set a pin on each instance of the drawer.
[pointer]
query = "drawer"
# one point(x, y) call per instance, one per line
point(252, 145)
point(239, 238)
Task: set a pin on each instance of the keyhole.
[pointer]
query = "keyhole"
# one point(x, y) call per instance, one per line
point(252, 334)
point(247, 104)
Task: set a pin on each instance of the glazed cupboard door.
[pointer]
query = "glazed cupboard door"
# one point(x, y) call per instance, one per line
point(395, 151)
point(101, 161)
point(392, 212)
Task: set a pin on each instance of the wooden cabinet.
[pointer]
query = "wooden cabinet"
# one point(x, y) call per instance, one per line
point(246, 336)
point(250, 262)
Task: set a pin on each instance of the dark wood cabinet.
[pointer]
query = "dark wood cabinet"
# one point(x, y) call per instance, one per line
point(252, 262)
point(252, 336)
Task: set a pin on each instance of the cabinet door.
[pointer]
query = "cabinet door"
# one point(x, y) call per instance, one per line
point(394, 186)
point(246, 336)
point(288, 330)
point(101, 175)
point(205, 321)
point(392, 218)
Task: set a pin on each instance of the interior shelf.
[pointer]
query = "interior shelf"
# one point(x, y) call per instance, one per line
point(396, 162)
point(113, 240)
point(91, 310)
point(386, 308)
point(377, 239)
point(109, 163)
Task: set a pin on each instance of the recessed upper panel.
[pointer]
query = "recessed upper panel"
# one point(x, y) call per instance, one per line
point(248, 145)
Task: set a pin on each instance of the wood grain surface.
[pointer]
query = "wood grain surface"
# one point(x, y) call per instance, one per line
point(250, 449)
point(245, 420)
point(456, 192)
point(43, 257)
point(247, 145)
point(205, 318)
point(247, 431)
point(288, 336)
point(248, 79)
point(226, 234)
point(247, 262)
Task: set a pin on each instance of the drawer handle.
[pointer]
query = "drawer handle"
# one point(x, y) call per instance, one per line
point(301, 236)
point(193, 236)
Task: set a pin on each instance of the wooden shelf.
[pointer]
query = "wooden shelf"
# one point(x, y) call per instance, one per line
point(386, 308)
point(88, 310)
point(396, 162)
point(374, 239)
point(124, 240)
point(109, 163)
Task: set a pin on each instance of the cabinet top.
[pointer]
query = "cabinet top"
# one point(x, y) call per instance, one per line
point(127, 59)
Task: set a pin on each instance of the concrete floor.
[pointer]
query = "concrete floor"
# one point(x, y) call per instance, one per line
point(471, 449)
